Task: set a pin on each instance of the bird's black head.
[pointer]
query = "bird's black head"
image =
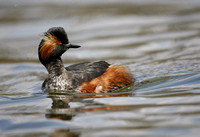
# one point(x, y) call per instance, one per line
point(53, 44)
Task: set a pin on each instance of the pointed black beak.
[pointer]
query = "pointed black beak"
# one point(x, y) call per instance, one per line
point(72, 46)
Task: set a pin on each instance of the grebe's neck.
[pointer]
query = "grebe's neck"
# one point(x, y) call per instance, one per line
point(55, 67)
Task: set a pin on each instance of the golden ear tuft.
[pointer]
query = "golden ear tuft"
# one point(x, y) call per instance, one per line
point(50, 43)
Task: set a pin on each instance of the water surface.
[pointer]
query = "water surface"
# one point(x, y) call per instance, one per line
point(158, 40)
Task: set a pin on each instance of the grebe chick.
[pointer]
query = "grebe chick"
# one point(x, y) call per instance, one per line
point(95, 77)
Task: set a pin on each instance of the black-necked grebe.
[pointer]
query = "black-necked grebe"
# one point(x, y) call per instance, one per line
point(95, 77)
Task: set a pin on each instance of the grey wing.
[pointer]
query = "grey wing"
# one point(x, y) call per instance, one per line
point(86, 71)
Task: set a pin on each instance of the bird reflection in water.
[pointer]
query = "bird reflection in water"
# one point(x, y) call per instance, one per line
point(60, 108)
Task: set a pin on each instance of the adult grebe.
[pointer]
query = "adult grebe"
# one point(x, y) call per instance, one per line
point(95, 77)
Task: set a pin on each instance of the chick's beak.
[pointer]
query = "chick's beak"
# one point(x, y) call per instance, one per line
point(72, 46)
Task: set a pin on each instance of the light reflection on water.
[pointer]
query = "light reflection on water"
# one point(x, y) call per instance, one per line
point(157, 40)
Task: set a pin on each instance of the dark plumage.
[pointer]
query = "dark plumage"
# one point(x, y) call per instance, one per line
point(59, 32)
point(86, 71)
point(84, 77)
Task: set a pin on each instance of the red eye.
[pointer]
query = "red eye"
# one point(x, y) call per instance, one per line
point(59, 42)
